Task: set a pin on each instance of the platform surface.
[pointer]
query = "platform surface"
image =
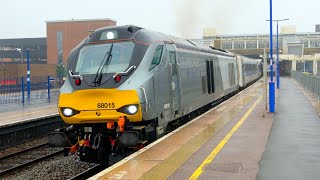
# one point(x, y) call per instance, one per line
point(17, 112)
point(293, 148)
point(180, 154)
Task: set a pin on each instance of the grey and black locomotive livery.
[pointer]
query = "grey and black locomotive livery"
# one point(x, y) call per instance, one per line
point(125, 84)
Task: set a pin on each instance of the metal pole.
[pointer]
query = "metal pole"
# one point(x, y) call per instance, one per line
point(271, 82)
point(278, 68)
point(265, 78)
point(49, 88)
point(271, 44)
point(28, 74)
point(22, 89)
point(21, 53)
point(5, 88)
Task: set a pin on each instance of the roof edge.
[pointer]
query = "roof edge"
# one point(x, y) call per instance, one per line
point(81, 20)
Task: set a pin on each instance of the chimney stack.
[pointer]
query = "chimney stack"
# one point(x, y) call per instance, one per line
point(317, 27)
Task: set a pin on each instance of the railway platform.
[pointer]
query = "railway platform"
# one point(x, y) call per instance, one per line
point(236, 140)
point(226, 142)
point(15, 113)
point(293, 148)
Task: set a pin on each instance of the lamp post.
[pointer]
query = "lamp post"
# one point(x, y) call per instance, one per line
point(28, 69)
point(21, 53)
point(271, 82)
point(277, 62)
point(28, 74)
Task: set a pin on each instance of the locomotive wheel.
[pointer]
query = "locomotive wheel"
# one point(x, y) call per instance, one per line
point(140, 146)
point(103, 152)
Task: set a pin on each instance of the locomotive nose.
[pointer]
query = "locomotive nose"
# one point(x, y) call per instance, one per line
point(99, 105)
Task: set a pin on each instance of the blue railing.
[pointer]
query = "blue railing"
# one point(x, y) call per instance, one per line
point(15, 90)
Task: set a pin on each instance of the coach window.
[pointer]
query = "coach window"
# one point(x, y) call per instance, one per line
point(156, 58)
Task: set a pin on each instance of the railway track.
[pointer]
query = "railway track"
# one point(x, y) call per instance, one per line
point(15, 162)
point(29, 129)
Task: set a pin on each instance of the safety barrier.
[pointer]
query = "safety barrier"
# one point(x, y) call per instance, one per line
point(308, 81)
point(17, 90)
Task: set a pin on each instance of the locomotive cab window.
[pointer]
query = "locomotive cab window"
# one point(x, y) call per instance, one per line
point(91, 57)
point(156, 58)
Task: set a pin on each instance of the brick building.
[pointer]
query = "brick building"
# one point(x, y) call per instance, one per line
point(63, 36)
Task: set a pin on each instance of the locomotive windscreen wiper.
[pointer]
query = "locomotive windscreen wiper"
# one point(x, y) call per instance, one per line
point(104, 63)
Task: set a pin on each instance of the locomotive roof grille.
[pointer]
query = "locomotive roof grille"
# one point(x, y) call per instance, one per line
point(149, 36)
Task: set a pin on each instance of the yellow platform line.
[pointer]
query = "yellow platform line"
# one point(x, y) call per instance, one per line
point(214, 153)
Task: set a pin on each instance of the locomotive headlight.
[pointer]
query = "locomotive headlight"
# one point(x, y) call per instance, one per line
point(129, 109)
point(109, 35)
point(68, 112)
point(132, 109)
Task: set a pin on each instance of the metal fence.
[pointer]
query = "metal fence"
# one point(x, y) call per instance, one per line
point(15, 90)
point(309, 81)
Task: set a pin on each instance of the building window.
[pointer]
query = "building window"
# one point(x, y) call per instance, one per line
point(226, 45)
point(60, 47)
point(239, 45)
point(305, 43)
point(295, 49)
point(304, 66)
point(274, 43)
point(280, 44)
point(251, 37)
point(315, 43)
point(251, 45)
point(263, 43)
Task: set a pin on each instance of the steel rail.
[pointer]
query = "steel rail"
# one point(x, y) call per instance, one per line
point(23, 151)
point(11, 170)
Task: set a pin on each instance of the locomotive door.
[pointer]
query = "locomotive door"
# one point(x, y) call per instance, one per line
point(175, 79)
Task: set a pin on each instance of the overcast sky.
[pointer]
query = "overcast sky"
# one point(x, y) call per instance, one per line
point(183, 18)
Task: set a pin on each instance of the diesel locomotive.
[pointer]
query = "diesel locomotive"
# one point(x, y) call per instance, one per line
point(125, 84)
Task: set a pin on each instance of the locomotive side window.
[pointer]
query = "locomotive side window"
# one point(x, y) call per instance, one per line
point(172, 55)
point(231, 74)
point(210, 76)
point(157, 57)
point(250, 69)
